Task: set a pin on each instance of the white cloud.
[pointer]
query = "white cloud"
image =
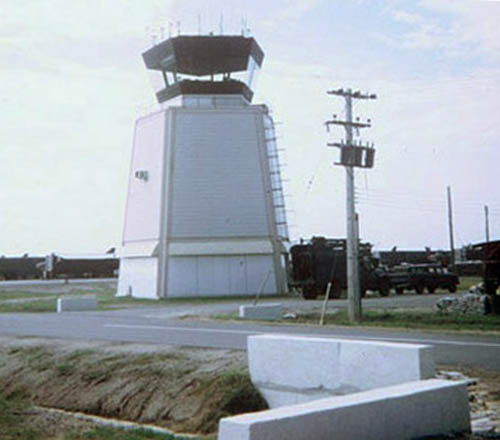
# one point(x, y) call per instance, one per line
point(459, 27)
point(294, 9)
point(71, 77)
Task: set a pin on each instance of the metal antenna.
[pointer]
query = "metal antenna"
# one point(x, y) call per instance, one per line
point(221, 24)
point(245, 26)
point(150, 33)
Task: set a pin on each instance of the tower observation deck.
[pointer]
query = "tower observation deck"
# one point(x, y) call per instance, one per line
point(204, 65)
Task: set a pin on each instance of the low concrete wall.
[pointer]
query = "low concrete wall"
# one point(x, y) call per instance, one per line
point(261, 311)
point(401, 412)
point(76, 303)
point(289, 370)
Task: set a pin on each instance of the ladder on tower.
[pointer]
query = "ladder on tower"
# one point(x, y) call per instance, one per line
point(275, 177)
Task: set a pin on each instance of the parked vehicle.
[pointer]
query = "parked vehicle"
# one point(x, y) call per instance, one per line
point(57, 266)
point(316, 263)
point(14, 268)
point(489, 253)
point(422, 276)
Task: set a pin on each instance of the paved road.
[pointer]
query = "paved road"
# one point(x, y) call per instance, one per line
point(48, 283)
point(161, 326)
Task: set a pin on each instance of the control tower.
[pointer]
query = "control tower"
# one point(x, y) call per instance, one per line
point(205, 213)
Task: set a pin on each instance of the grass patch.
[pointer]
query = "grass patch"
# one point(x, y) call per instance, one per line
point(407, 319)
point(12, 420)
point(413, 319)
point(36, 306)
point(236, 395)
point(17, 421)
point(467, 282)
point(65, 369)
point(105, 433)
point(240, 395)
point(20, 294)
point(106, 299)
point(112, 301)
point(134, 383)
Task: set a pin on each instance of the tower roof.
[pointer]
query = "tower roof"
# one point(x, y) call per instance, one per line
point(203, 55)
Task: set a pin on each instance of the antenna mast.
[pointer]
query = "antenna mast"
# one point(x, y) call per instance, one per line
point(450, 227)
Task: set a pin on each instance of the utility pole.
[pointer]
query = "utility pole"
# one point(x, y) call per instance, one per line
point(450, 226)
point(352, 154)
point(487, 223)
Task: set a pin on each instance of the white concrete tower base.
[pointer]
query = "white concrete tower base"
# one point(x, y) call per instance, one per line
point(202, 218)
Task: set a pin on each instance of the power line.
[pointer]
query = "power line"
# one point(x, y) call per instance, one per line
point(407, 82)
point(397, 196)
point(352, 154)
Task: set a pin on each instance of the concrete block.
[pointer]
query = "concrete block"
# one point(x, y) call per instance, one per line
point(261, 311)
point(76, 303)
point(292, 369)
point(400, 412)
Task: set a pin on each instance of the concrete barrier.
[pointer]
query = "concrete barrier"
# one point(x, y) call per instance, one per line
point(76, 303)
point(261, 311)
point(401, 412)
point(289, 369)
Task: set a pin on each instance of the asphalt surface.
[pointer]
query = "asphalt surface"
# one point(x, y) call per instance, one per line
point(160, 325)
point(39, 282)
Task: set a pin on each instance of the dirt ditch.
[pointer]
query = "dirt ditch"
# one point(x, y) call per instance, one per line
point(182, 389)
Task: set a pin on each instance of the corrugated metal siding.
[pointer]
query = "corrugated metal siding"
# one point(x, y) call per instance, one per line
point(217, 185)
point(220, 275)
point(142, 216)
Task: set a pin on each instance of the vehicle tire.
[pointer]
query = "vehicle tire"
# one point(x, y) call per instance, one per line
point(452, 288)
point(431, 288)
point(400, 290)
point(309, 293)
point(384, 288)
point(419, 289)
point(335, 290)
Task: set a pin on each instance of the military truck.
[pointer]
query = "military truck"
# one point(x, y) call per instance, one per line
point(14, 268)
point(489, 253)
point(422, 276)
point(319, 261)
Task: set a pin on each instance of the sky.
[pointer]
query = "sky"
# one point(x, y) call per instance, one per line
point(72, 83)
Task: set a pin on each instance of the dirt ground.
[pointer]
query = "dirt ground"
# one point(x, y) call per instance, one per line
point(484, 395)
point(182, 389)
